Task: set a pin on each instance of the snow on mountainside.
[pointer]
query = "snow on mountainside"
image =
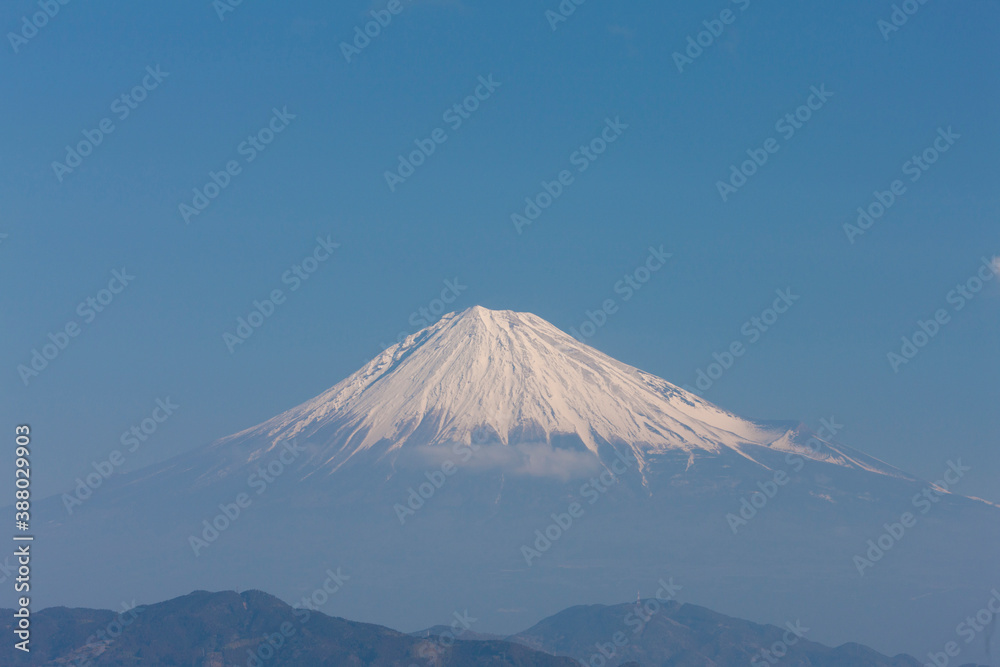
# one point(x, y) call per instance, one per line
point(512, 378)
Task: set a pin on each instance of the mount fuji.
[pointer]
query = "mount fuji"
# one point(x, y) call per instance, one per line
point(492, 463)
point(513, 379)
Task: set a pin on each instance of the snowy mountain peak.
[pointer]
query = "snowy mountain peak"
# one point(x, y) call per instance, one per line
point(509, 378)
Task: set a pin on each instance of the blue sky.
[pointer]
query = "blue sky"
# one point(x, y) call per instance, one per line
point(655, 185)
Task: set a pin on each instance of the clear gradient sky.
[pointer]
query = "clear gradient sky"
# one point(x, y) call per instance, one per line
point(655, 185)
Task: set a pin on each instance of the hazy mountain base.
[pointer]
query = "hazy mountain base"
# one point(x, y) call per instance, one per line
point(464, 549)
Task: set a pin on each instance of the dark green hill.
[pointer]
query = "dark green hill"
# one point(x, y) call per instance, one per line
point(224, 629)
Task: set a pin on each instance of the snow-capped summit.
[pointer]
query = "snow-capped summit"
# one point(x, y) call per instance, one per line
point(512, 378)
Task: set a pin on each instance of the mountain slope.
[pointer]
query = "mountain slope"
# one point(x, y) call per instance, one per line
point(483, 376)
point(684, 635)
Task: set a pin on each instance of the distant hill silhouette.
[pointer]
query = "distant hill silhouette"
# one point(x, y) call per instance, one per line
point(224, 629)
point(671, 634)
point(254, 629)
